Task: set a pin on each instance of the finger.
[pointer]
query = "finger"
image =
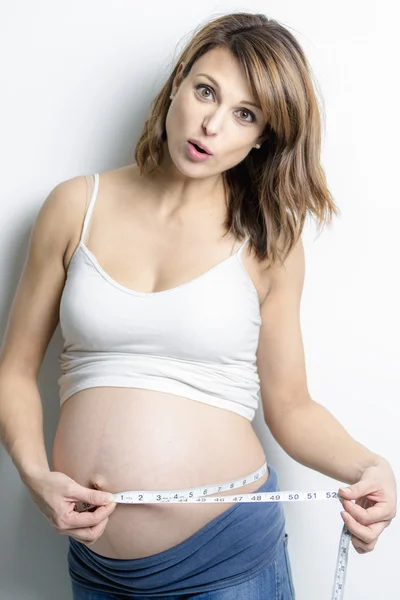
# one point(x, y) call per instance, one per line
point(94, 497)
point(374, 514)
point(361, 547)
point(88, 535)
point(360, 489)
point(367, 534)
point(89, 519)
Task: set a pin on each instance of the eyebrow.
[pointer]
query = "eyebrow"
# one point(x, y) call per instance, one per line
point(218, 86)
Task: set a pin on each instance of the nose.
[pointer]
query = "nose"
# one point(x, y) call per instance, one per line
point(212, 121)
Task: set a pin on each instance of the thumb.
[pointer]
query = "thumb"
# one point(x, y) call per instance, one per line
point(357, 490)
point(93, 497)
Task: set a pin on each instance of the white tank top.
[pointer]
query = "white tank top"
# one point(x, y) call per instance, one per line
point(197, 340)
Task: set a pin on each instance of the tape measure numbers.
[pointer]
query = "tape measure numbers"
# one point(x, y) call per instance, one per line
point(202, 494)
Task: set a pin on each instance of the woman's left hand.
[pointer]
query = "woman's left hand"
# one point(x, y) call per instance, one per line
point(375, 505)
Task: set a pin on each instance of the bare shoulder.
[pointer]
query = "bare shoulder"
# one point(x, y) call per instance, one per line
point(289, 274)
point(63, 209)
point(34, 311)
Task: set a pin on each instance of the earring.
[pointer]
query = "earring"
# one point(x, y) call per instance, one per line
point(257, 146)
point(171, 97)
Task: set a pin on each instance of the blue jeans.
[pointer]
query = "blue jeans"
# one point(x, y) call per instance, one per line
point(275, 582)
point(241, 554)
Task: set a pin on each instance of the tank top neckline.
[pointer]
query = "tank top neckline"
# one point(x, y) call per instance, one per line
point(95, 263)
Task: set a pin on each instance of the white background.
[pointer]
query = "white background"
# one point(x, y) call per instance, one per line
point(77, 79)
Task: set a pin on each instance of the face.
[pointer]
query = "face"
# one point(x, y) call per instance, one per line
point(218, 116)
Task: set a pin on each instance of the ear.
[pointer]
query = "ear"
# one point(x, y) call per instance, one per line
point(177, 79)
point(261, 139)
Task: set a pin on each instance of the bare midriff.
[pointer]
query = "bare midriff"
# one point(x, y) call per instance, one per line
point(119, 439)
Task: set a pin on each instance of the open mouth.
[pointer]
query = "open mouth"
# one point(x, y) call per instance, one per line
point(198, 148)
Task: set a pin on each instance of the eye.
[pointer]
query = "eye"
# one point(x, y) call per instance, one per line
point(243, 110)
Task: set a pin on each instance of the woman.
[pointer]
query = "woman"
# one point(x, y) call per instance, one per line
point(177, 281)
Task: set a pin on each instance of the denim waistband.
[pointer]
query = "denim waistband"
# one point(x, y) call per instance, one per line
point(235, 546)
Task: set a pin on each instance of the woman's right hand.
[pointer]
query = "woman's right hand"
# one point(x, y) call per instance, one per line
point(56, 494)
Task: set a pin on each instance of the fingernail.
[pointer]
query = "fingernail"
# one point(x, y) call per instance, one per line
point(345, 490)
point(345, 515)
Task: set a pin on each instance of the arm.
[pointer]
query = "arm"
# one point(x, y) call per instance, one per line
point(31, 324)
point(307, 431)
point(32, 321)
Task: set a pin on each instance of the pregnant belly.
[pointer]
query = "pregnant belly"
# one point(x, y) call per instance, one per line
point(119, 439)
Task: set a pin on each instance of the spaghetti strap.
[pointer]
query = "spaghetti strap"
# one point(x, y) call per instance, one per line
point(239, 251)
point(90, 208)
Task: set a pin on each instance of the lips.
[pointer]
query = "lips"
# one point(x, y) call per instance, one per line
point(200, 146)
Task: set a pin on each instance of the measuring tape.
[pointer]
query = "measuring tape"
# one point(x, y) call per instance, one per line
point(202, 494)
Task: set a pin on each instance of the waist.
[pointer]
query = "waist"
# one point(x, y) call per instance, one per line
point(228, 549)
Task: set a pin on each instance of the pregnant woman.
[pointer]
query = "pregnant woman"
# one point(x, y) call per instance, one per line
point(177, 281)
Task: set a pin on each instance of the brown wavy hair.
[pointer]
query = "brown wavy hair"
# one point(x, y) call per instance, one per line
point(270, 192)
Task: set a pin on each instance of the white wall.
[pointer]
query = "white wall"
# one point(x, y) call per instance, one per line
point(77, 78)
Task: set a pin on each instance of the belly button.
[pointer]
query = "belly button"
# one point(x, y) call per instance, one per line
point(98, 483)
